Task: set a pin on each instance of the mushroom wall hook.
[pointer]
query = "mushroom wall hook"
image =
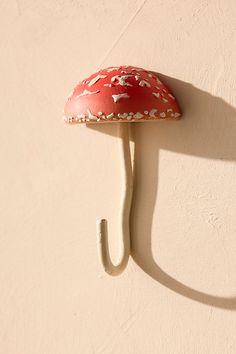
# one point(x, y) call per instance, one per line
point(123, 94)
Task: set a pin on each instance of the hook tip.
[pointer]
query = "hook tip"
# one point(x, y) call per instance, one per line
point(101, 222)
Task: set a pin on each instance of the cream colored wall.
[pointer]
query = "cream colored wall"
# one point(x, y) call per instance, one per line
point(178, 294)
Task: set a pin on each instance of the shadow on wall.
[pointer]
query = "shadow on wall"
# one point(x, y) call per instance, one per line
point(207, 129)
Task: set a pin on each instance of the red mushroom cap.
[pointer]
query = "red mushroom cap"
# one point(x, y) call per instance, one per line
point(121, 94)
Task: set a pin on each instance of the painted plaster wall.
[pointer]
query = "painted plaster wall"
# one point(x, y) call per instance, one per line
point(178, 292)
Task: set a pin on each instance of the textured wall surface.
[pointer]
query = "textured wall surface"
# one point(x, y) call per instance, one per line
point(178, 294)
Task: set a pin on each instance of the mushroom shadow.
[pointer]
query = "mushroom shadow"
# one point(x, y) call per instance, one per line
point(208, 130)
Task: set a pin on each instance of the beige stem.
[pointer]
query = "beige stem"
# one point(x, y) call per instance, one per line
point(102, 234)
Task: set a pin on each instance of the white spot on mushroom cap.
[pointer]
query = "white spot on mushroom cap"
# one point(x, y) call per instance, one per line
point(116, 98)
point(86, 92)
point(122, 115)
point(152, 112)
point(90, 115)
point(171, 96)
point(138, 115)
point(156, 94)
point(177, 114)
point(81, 116)
point(162, 114)
point(121, 80)
point(76, 120)
point(112, 69)
point(164, 100)
point(159, 82)
point(111, 115)
point(143, 83)
point(137, 69)
point(96, 78)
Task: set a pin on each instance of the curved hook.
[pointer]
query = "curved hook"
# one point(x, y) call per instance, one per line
point(102, 235)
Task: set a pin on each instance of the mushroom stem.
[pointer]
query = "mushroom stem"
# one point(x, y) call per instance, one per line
point(102, 233)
